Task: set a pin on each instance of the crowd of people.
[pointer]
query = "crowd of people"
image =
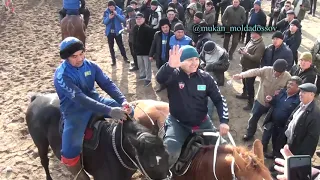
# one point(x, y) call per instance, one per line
point(288, 81)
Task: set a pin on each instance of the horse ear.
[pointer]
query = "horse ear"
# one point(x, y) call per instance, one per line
point(257, 149)
point(239, 160)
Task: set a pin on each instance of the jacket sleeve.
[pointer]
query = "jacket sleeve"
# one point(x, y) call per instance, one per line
point(225, 17)
point(106, 19)
point(153, 46)
point(256, 57)
point(243, 17)
point(211, 19)
point(309, 143)
point(159, 17)
point(106, 84)
point(253, 72)
point(295, 46)
point(218, 100)
point(166, 74)
point(289, 59)
point(121, 16)
point(264, 19)
point(65, 85)
point(309, 79)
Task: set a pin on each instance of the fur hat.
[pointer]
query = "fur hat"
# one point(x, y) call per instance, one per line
point(69, 46)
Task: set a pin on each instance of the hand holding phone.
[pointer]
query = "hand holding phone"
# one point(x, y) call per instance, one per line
point(299, 167)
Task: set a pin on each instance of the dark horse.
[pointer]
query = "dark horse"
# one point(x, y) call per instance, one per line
point(109, 160)
point(74, 26)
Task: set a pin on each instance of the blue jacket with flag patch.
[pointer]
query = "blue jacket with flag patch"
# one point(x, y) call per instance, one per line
point(76, 91)
point(188, 95)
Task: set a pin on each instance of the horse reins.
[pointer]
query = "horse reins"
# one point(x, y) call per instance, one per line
point(215, 156)
point(138, 166)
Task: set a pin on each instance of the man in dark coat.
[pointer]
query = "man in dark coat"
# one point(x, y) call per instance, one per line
point(284, 23)
point(160, 46)
point(305, 69)
point(277, 50)
point(302, 129)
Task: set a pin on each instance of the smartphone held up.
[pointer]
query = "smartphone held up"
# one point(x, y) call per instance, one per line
point(299, 167)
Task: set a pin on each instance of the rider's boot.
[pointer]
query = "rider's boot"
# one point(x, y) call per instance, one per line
point(76, 169)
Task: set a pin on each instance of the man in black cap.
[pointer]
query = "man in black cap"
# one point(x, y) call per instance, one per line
point(142, 39)
point(112, 19)
point(171, 16)
point(302, 129)
point(160, 46)
point(179, 37)
point(277, 50)
point(284, 23)
point(155, 15)
point(272, 79)
point(131, 22)
point(292, 37)
point(250, 58)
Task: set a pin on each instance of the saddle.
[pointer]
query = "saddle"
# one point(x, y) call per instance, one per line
point(189, 150)
point(92, 133)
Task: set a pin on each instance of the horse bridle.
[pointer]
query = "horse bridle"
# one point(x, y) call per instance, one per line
point(137, 166)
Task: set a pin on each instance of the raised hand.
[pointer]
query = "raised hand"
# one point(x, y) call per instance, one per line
point(174, 56)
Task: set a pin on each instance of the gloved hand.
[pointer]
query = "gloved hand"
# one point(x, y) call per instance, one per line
point(118, 113)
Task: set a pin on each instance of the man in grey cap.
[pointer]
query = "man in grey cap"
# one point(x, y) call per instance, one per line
point(302, 129)
point(272, 79)
point(284, 23)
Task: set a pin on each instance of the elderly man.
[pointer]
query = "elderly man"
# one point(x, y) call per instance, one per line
point(188, 90)
point(74, 82)
point(250, 58)
point(277, 50)
point(305, 69)
point(302, 129)
point(171, 16)
point(285, 23)
point(179, 37)
point(282, 105)
point(234, 15)
point(272, 79)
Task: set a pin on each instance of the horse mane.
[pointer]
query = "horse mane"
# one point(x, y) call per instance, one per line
point(251, 159)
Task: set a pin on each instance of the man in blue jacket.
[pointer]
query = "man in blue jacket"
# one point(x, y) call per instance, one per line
point(112, 18)
point(74, 82)
point(75, 7)
point(188, 91)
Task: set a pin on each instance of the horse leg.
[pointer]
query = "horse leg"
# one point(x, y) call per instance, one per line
point(43, 147)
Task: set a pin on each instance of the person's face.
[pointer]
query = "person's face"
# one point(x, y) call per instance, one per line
point(111, 8)
point(235, 3)
point(254, 35)
point(293, 28)
point(304, 64)
point(191, 11)
point(134, 6)
point(208, 7)
point(287, 7)
point(139, 21)
point(292, 87)
point(179, 34)
point(276, 74)
point(306, 97)
point(277, 42)
point(196, 20)
point(76, 59)
point(153, 7)
point(165, 28)
point(290, 17)
point(171, 15)
point(175, 1)
point(256, 7)
point(190, 65)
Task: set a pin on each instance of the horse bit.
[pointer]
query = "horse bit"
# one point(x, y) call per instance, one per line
point(137, 166)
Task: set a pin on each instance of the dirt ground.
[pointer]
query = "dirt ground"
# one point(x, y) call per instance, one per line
point(29, 55)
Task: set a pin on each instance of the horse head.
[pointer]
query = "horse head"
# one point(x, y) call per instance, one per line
point(250, 164)
point(147, 149)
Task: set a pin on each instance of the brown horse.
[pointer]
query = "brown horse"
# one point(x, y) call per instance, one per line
point(249, 165)
point(74, 26)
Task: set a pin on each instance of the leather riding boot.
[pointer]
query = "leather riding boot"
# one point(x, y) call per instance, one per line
point(79, 174)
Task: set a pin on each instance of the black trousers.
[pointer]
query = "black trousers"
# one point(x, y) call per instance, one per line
point(248, 88)
point(243, 33)
point(118, 38)
point(313, 4)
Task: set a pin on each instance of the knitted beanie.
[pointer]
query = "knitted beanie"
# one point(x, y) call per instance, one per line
point(188, 52)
